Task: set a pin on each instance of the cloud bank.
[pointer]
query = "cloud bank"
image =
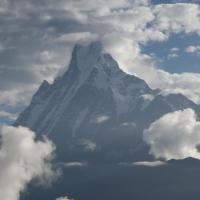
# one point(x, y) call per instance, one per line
point(174, 136)
point(63, 198)
point(36, 43)
point(22, 159)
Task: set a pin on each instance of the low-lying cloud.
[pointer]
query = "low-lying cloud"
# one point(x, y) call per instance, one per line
point(174, 136)
point(149, 163)
point(22, 159)
point(64, 198)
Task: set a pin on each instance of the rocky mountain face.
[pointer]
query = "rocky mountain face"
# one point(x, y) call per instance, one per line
point(96, 111)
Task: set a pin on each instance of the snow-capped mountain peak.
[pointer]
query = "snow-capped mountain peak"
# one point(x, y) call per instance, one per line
point(94, 87)
point(85, 57)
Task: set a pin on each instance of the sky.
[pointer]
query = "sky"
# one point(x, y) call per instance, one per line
point(157, 40)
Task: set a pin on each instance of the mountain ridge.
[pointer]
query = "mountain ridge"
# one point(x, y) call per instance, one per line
point(96, 103)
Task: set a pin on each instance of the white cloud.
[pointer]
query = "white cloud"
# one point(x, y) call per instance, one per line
point(193, 49)
point(17, 96)
point(182, 17)
point(185, 83)
point(7, 115)
point(185, 1)
point(74, 164)
point(174, 49)
point(88, 145)
point(133, 124)
point(79, 37)
point(155, 163)
point(22, 159)
point(174, 136)
point(63, 198)
point(90, 5)
point(148, 97)
point(149, 163)
point(101, 119)
point(172, 55)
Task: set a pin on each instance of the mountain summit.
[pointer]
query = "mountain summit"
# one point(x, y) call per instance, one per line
point(97, 111)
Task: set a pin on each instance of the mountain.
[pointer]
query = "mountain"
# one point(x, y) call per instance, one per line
point(97, 112)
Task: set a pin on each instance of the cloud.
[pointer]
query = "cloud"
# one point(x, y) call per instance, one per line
point(88, 145)
point(185, 1)
point(193, 49)
point(148, 97)
point(150, 163)
point(77, 37)
point(156, 163)
point(133, 124)
point(84, 145)
point(176, 18)
point(174, 136)
point(7, 116)
point(174, 49)
point(63, 198)
point(22, 159)
point(74, 164)
point(17, 96)
point(185, 83)
point(172, 55)
point(102, 119)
